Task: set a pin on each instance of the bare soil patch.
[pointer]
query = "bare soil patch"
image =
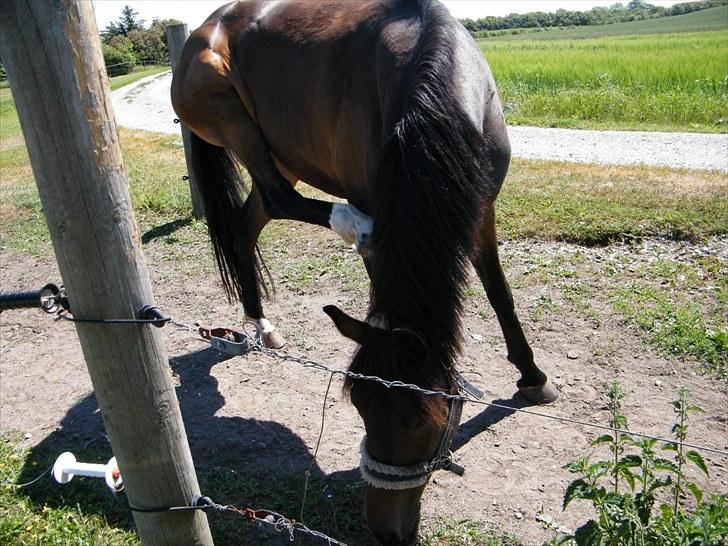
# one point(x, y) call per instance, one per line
point(256, 414)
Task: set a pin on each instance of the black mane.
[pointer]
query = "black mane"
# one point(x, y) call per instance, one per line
point(432, 182)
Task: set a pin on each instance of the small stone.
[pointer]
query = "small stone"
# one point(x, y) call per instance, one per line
point(572, 355)
point(518, 515)
point(658, 382)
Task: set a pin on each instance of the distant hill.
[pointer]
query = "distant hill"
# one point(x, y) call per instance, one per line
point(704, 20)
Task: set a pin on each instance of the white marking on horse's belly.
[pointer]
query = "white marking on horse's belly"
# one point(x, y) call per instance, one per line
point(269, 7)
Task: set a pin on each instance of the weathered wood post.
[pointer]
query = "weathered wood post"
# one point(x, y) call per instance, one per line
point(53, 58)
point(176, 38)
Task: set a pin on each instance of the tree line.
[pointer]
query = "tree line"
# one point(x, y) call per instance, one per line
point(617, 13)
point(127, 42)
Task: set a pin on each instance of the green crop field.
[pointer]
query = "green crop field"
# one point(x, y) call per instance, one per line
point(698, 21)
point(644, 81)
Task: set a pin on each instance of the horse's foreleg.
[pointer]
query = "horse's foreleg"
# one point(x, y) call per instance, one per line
point(279, 199)
point(533, 383)
point(253, 221)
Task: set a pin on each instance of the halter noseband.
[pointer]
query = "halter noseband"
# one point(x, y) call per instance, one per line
point(386, 476)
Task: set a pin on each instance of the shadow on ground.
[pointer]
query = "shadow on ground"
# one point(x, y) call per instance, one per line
point(165, 230)
point(227, 452)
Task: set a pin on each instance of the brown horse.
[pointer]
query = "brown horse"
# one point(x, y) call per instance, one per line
point(390, 105)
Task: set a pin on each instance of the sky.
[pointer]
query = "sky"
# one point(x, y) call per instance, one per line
point(194, 12)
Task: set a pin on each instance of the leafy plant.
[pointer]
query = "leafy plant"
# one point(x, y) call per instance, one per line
point(627, 514)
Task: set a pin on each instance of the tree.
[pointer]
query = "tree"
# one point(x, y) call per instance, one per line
point(125, 24)
point(117, 61)
point(128, 42)
point(147, 45)
point(636, 4)
point(160, 27)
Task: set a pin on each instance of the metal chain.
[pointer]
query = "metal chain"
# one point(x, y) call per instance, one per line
point(265, 519)
point(183, 326)
point(279, 523)
point(307, 363)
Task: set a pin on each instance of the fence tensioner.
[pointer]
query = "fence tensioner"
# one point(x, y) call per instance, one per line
point(227, 340)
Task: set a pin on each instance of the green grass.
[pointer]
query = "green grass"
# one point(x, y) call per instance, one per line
point(681, 308)
point(22, 226)
point(44, 514)
point(666, 82)
point(138, 73)
point(712, 19)
point(85, 513)
point(677, 306)
point(9, 122)
point(448, 532)
point(590, 204)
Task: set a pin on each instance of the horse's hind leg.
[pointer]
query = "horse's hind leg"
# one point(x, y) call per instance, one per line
point(533, 384)
point(253, 220)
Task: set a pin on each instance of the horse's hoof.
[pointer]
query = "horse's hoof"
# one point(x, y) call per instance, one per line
point(540, 394)
point(273, 340)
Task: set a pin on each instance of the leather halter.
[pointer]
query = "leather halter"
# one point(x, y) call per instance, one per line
point(386, 476)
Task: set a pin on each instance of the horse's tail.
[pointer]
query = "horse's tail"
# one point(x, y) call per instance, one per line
point(433, 180)
point(223, 188)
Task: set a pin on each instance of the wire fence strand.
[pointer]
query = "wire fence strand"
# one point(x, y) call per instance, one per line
point(311, 364)
point(257, 346)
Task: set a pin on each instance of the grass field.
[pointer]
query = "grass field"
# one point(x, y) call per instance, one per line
point(712, 19)
point(658, 81)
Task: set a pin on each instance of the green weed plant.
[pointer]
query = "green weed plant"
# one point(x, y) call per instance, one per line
point(639, 494)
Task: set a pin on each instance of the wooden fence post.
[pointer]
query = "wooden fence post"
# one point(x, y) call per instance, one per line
point(176, 38)
point(53, 58)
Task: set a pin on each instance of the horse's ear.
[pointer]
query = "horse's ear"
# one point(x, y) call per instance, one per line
point(409, 343)
point(352, 328)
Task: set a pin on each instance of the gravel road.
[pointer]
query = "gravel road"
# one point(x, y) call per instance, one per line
point(145, 105)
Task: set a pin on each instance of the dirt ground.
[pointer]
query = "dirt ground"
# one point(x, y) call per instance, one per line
point(267, 413)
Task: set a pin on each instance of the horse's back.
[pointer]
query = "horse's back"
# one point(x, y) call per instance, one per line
point(323, 81)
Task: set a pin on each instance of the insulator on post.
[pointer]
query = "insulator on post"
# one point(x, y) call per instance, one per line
point(66, 467)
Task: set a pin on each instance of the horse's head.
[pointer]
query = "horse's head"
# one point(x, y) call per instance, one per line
point(407, 434)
